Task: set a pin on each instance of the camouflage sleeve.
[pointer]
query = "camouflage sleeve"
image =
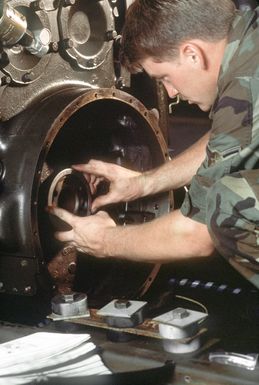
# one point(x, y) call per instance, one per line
point(233, 145)
point(233, 221)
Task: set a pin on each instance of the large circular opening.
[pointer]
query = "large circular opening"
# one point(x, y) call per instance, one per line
point(113, 128)
point(70, 191)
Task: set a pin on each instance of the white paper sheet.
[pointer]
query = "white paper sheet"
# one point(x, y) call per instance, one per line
point(42, 355)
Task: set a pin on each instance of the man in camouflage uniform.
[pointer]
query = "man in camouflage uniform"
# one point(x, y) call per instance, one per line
point(225, 191)
point(206, 52)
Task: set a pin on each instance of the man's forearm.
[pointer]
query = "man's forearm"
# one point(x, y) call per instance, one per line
point(177, 172)
point(167, 238)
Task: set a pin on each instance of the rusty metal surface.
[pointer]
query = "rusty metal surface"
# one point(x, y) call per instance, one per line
point(73, 118)
point(149, 328)
point(62, 269)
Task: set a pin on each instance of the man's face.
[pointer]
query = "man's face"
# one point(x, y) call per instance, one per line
point(186, 78)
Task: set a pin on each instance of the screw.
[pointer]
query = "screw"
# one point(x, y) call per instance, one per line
point(94, 79)
point(68, 297)
point(110, 35)
point(26, 78)
point(121, 304)
point(68, 43)
point(120, 83)
point(24, 263)
point(69, 2)
point(53, 46)
point(72, 268)
point(37, 5)
point(180, 313)
point(68, 250)
point(187, 379)
point(5, 80)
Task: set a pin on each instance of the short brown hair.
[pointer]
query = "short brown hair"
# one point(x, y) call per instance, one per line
point(156, 28)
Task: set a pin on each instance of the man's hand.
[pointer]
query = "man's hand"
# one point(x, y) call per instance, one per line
point(125, 185)
point(167, 238)
point(87, 234)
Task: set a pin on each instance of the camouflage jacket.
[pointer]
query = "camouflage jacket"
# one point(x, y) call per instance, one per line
point(234, 140)
point(233, 149)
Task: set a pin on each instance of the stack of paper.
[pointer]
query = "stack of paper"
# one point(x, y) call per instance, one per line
point(45, 355)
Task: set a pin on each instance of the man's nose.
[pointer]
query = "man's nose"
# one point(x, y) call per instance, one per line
point(172, 92)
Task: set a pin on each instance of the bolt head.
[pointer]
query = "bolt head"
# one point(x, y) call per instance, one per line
point(180, 313)
point(122, 304)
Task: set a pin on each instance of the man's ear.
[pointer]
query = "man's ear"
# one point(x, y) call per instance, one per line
point(194, 54)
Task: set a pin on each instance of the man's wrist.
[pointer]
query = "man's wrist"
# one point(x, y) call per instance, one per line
point(145, 184)
point(112, 242)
